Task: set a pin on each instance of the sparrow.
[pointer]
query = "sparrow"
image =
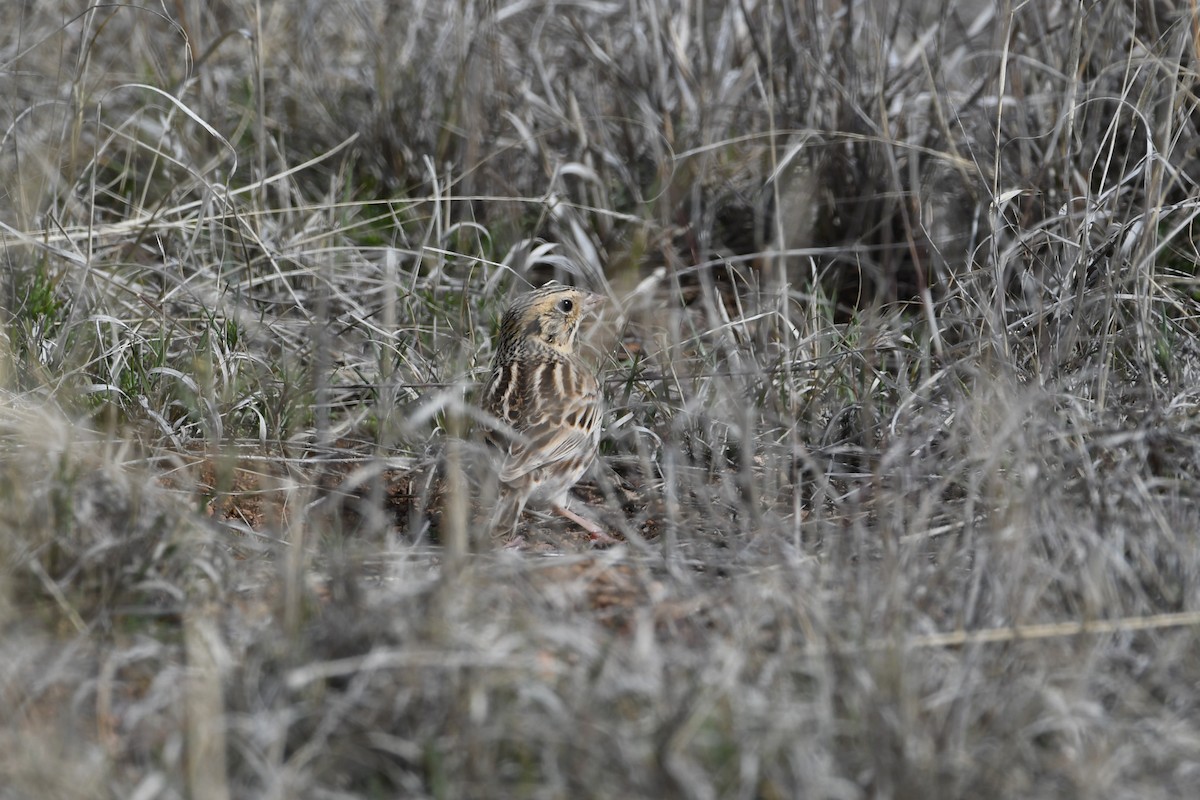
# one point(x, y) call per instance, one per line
point(546, 405)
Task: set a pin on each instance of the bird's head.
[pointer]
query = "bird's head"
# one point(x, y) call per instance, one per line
point(549, 315)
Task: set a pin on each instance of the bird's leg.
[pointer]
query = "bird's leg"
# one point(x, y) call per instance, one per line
point(595, 530)
point(506, 515)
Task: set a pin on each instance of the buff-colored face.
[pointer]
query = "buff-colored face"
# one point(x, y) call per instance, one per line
point(549, 315)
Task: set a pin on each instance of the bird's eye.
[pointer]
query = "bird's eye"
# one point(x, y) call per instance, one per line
point(565, 305)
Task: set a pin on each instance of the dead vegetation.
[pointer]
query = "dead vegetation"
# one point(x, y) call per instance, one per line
point(902, 380)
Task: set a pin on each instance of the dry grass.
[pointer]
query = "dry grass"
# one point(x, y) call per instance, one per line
point(903, 378)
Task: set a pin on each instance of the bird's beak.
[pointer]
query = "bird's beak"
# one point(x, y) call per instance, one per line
point(593, 302)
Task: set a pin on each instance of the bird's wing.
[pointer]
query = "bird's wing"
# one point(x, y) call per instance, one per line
point(566, 430)
point(551, 408)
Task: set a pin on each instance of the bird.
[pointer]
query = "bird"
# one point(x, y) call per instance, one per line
point(545, 405)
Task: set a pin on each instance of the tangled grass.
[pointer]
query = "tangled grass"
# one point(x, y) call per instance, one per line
point(902, 372)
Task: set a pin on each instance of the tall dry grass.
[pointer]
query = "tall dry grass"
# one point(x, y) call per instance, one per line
point(902, 378)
